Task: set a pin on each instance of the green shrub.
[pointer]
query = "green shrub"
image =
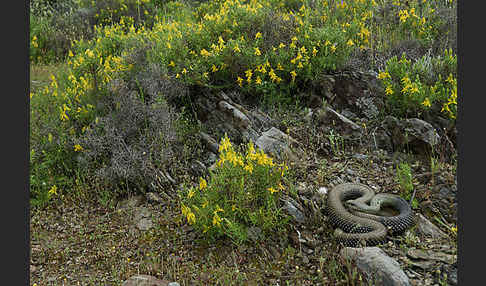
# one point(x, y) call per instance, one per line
point(404, 178)
point(242, 192)
point(427, 84)
point(52, 151)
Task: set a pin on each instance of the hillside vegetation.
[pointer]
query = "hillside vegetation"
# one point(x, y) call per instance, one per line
point(113, 114)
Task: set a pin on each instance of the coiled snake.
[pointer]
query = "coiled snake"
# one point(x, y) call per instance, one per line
point(362, 223)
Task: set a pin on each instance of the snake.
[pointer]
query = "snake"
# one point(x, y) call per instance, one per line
point(359, 223)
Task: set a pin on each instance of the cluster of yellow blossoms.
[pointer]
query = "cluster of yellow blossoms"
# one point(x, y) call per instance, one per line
point(228, 155)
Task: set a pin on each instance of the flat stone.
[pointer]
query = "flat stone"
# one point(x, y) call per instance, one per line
point(144, 280)
point(431, 255)
point(381, 268)
point(425, 227)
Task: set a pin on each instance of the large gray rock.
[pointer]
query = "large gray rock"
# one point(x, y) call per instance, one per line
point(144, 280)
point(294, 209)
point(276, 143)
point(414, 133)
point(427, 228)
point(382, 269)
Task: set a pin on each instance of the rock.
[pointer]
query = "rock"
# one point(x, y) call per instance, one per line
point(347, 126)
point(210, 142)
point(144, 224)
point(425, 227)
point(292, 208)
point(382, 269)
point(173, 284)
point(239, 118)
point(430, 255)
point(276, 143)
point(144, 280)
point(153, 198)
point(130, 202)
point(415, 133)
point(422, 264)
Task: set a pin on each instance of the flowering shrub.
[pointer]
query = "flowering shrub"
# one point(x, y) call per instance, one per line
point(242, 192)
point(429, 83)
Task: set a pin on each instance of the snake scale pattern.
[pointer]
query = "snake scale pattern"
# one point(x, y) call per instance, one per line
point(358, 223)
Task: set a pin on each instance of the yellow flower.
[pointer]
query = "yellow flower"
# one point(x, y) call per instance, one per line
point(293, 74)
point(236, 49)
point(257, 52)
point(303, 50)
point(248, 74)
point(258, 35)
point(450, 79)
point(191, 193)
point(52, 191)
point(403, 14)
point(454, 229)
point(205, 204)
point(202, 184)
point(282, 45)
point(272, 190)
point(333, 48)
point(350, 42)
point(225, 144)
point(191, 217)
point(258, 80)
point(218, 209)
point(388, 90)
point(414, 89)
point(383, 75)
point(71, 53)
point(405, 80)
point(426, 102)
point(216, 220)
point(171, 64)
point(89, 53)
point(249, 168)
point(220, 41)
point(78, 147)
point(240, 81)
point(214, 68)
point(300, 65)
point(205, 53)
point(314, 51)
